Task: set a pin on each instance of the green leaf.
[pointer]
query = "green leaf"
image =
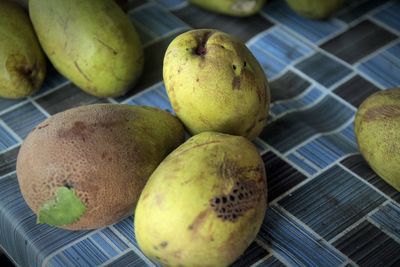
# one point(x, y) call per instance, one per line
point(65, 208)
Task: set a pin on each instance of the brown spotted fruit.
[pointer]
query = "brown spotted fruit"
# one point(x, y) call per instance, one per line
point(238, 8)
point(23, 65)
point(214, 83)
point(377, 128)
point(204, 204)
point(84, 168)
point(93, 43)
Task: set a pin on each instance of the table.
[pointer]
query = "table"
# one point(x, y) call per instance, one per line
point(326, 206)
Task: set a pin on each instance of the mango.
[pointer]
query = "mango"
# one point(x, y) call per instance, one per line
point(85, 168)
point(204, 204)
point(377, 129)
point(23, 65)
point(315, 9)
point(214, 83)
point(238, 8)
point(91, 42)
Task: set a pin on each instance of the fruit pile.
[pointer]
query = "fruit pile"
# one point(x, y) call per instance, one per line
point(199, 200)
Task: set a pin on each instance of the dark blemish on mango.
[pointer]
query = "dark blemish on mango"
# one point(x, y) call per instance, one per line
point(81, 72)
point(164, 244)
point(382, 112)
point(244, 196)
point(19, 65)
point(199, 220)
point(201, 49)
point(236, 83)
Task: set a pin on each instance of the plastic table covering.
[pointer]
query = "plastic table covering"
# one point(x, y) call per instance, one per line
point(326, 206)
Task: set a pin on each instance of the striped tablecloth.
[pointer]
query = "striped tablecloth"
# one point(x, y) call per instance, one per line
point(327, 208)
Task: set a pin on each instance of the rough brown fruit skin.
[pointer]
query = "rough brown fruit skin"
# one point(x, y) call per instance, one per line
point(215, 84)
point(105, 152)
point(377, 128)
point(204, 204)
point(22, 62)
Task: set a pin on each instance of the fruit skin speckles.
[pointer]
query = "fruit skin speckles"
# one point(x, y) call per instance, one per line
point(214, 83)
point(213, 196)
point(100, 155)
point(377, 129)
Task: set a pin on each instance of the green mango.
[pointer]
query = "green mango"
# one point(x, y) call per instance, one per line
point(239, 8)
point(214, 83)
point(377, 129)
point(315, 9)
point(204, 204)
point(85, 168)
point(91, 42)
point(23, 63)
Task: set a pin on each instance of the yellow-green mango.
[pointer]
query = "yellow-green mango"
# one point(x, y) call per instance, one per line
point(377, 128)
point(85, 168)
point(22, 63)
point(315, 9)
point(239, 8)
point(204, 204)
point(214, 83)
point(91, 42)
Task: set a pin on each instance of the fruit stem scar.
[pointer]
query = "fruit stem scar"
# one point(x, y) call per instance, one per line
point(201, 48)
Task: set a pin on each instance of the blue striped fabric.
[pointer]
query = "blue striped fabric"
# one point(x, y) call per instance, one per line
point(282, 45)
point(390, 15)
point(171, 4)
point(383, 68)
point(53, 80)
point(324, 200)
point(388, 218)
point(271, 262)
point(326, 149)
point(313, 30)
point(23, 119)
point(156, 20)
point(302, 101)
point(128, 259)
point(324, 69)
point(6, 139)
point(294, 128)
point(271, 65)
point(332, 201)
point(156, 97)
point(302, 163)
point(294, 243)
point(21, 237)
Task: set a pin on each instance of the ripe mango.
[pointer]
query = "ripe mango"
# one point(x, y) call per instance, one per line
point(377, 129)
point(23, 65)
point(239, 8)
point(214, 83)
point(91, 42)
point(315, 9)
point(204, 204)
